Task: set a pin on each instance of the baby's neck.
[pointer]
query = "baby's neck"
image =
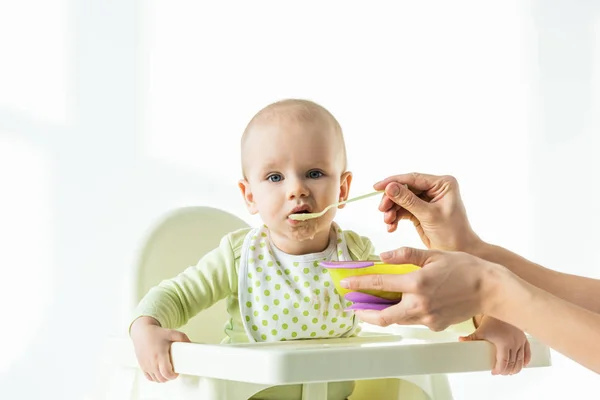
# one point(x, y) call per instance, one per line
point(309, 246)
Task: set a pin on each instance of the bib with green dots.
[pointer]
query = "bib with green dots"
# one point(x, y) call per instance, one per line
point(287, 297)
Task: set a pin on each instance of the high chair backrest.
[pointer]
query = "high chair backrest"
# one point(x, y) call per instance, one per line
point(177, 242)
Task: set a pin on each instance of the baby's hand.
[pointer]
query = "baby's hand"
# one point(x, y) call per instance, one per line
point(152, 345)
point(512, 348)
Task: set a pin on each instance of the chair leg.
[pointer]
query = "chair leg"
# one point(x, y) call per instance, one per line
point(190, 387)
point(209, 389)
point(194, 388)
point(242, 390)
point(314, 391)
point(440, 387)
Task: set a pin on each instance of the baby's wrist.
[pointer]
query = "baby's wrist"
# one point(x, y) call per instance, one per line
point(141, 323)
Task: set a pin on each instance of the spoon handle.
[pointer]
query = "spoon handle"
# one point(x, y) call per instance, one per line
point(364, 196)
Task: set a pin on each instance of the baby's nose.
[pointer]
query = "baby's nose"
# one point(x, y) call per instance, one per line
point(297, 188)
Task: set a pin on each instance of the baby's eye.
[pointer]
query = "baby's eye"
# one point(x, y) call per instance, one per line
point(315, 174)
point(275, 178)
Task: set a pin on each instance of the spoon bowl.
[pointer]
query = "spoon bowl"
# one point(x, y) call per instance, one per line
point(307, 216)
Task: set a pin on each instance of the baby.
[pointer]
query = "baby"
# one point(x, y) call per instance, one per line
point(293, 161)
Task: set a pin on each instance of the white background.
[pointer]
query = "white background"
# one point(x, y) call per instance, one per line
point(115, 112)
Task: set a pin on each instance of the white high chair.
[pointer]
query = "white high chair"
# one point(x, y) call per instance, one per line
point(384, 366)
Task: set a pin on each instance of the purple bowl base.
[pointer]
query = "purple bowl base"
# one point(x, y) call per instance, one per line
point(370, 306)
point(359, 297)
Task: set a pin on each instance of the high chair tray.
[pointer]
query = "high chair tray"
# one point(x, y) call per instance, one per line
point(365, 357)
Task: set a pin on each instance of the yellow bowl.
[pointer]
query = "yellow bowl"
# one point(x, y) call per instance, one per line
point(342, 269)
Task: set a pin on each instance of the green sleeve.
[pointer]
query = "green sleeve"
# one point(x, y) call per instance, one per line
point(175, 301)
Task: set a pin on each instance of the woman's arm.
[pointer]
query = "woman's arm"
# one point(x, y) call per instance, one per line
point(567, 328)
point(581, 291)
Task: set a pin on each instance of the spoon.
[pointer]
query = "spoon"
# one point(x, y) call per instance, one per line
point(306, 216)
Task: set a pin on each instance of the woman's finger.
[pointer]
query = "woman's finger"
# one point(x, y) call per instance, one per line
point(386, 203)
point(398, 283)
point(401, 214)
point(390, 216)
point(403, 197)
point(392, 315)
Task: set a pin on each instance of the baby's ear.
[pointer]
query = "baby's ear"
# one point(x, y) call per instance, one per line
point(345, 182)
point(247, 195)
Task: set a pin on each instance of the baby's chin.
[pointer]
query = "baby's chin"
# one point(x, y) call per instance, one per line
point(307, 231)
point(301, 239)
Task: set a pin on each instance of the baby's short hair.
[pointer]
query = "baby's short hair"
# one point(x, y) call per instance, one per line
point(301, 110)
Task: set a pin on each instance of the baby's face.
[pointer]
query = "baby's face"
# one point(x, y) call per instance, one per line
point(294, 167)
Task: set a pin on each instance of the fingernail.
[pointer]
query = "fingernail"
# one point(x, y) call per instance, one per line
point(345, 284)
point(386, 254)
point(394, 190)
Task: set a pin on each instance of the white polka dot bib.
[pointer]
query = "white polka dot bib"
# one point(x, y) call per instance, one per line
point(287, 297)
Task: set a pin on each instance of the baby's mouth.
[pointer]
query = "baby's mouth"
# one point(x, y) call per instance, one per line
point(304, 209)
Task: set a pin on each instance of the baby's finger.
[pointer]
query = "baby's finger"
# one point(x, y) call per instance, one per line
point(161, 378)
point(154, 371)
point(154, 377)
point(177, 336)
point(166, 368)
point(527, 354)
point(502, 360)
point(512, 360)
point(519, 359)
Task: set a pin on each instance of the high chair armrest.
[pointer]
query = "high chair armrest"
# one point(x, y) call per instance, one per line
point(367, 357)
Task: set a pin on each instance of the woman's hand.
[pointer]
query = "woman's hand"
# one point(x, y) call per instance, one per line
point(435, 207)
point(450, 288)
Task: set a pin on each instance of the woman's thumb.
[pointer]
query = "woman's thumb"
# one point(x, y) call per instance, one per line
point(405, 255)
